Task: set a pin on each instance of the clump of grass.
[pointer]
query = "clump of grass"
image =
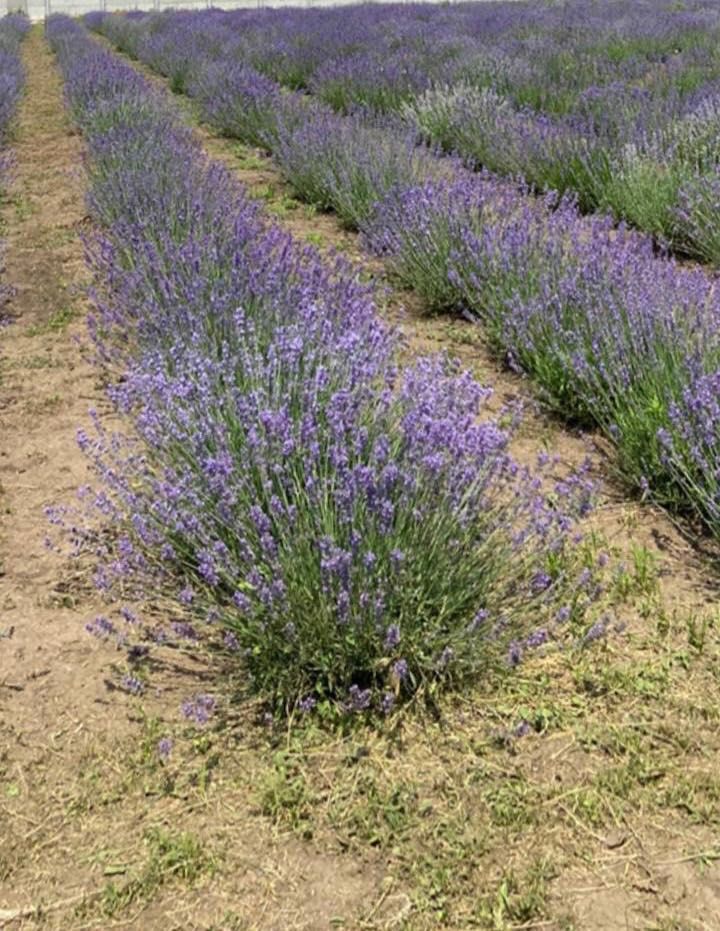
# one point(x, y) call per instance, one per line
point(172, 857)
point(57, 322)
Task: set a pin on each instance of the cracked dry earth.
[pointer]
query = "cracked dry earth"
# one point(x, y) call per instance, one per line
point(82, 799)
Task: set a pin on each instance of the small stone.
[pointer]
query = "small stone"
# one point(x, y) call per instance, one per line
point(615, 839)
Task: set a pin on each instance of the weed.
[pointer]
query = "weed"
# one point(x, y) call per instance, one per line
point(57, 322)
point(316, 239)
point(247, 160)
point(285, 795)
point(519, 898)
point(283, 206)
point(698, 629)
point(171, 857)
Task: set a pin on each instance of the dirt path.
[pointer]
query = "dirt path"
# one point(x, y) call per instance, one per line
point(49, 673)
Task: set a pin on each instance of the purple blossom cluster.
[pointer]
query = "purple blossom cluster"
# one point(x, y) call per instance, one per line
point(614, 335)
point(339, 524)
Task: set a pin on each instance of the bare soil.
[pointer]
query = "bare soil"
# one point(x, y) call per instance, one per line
point(603, 816)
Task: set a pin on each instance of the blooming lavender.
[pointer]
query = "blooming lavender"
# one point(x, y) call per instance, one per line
point(613, 335)
point(344, 164)
point(13, 29)
point(342, 521)
point(614, 105)
point(199, 709)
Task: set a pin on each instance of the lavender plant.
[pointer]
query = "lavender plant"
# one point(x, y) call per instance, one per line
point(690, 445)
point(486, 130)
point(348, 165)
point(13, 29)
point(612, 335)
point(380, 80)
point(344, 164)
point(240, 102)
point(695, 217)
point(350, 532)
point(586, 101)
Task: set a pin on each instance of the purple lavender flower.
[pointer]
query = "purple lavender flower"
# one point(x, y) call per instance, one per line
point(184, 630)
point(400, 670)
point(514, 654)
point(521, 729)
point(100, 627)
point(358, 699)
point(231, 641)
point(541, 581)
point(596, 631)
point(128, 616)
point(133, 685)
point(392, 638)
point(199, 709)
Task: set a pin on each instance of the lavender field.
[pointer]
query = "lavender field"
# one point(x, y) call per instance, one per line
point(580, 181)
point(391, 534)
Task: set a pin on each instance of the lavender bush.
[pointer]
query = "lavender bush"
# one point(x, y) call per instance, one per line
point(485, 129)
point(13, 29)
point(613, 336)
point(696, 218)
point(238, 101)
point(349, 166)
point(344, 164)
point(351, 532)
point(690, 445)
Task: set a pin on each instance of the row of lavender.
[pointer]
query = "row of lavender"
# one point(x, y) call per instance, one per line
point(619, 104)
point(349, 531)
point(13, 29)
point(613, 335)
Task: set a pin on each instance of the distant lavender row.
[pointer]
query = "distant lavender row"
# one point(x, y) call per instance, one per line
point(618, 104)
point(543, 55)
point(13, 29)
point(351, 532)
point(613, 335)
